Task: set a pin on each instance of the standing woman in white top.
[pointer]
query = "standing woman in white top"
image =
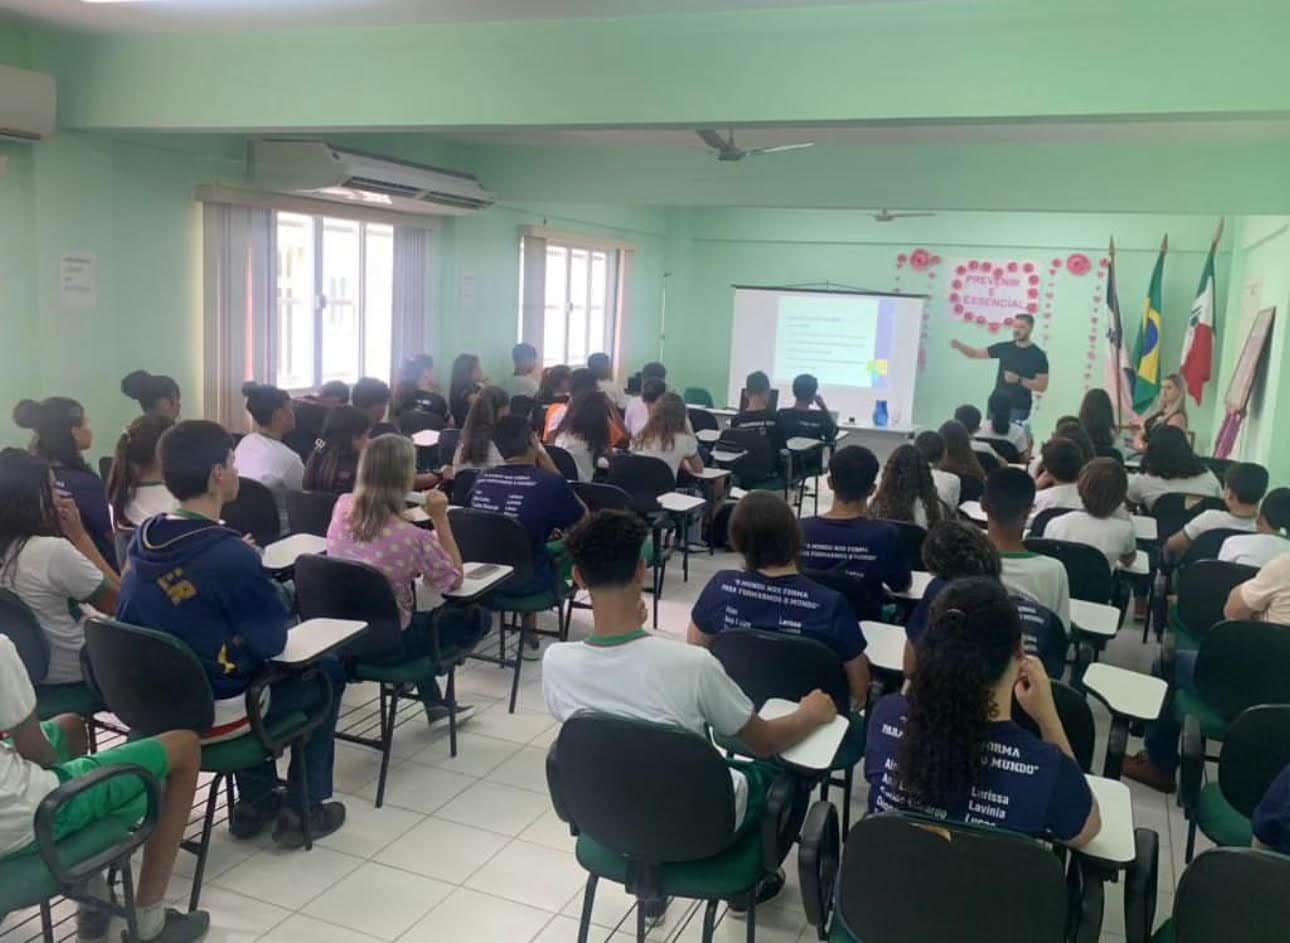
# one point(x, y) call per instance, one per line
point(134, 486)
point(475, 448)
point(49, 561)
point(262, 455)
point(585, 432)
point(1170, 466)
point(666, 436)
point(906, 491)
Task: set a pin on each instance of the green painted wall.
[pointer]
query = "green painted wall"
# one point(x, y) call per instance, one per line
point(716, 248)
point(916, 60)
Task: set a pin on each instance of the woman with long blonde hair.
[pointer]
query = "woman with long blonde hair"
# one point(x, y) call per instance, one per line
point(667, 436)
point(369, 527)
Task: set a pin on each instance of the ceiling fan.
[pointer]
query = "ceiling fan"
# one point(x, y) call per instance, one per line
point(887, 216)
point(726, 149)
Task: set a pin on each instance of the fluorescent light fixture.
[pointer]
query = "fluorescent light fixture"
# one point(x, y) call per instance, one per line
point(117, 1)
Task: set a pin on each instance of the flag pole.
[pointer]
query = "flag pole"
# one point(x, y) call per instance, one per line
point(1218, 233)
point(1119, 347)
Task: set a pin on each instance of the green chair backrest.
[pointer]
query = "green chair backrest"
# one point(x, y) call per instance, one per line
point(697, 396)
point(151, 680)
point(19, 623)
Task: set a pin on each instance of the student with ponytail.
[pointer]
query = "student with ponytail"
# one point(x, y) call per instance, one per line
point(156, 393)
point(949, 748)
point(333, 464)
point(475, 449)
point(134, 486)
point(61, 432)
point(262, 455)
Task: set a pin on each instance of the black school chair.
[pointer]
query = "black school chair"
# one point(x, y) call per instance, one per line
point(1077, 720)
point(462, 484)
point(1255, 750)
point(327, 587)
point(866, 603)
point(758, 469)
point(1208, 544)
point(911, 538)
point(490, 537)
point(1007, 451)
point(1044, 518)
point(105, 467)
point(62, 867)
point(701, 419)
point(1175, 509)
point(902, 877)
point(448, 440)
point(1230, 894)
point(614, 781)
point(412, 421)
point(255, 512)
point(600, 496)
point(154, 683)
point(563, 462)
point(1203, 588)
point(1087, 569)
point(646, 479)
point(971, 488)
point(769, 664)
point(1239, 665)
point(309, 512)
point(19, 623)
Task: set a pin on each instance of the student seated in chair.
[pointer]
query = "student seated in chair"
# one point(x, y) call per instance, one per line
point(653, 385)
point(1009, 495)
point(373, 397)
point(1057, 485)
point(845, 537)
point(49, 561)
point(908, 492)
point(134, 486)
point(956, 550)
point(757, 413)
point(1266, 597)
point(932, 447)
point(1269, 540)
point(949, 748)
point(368, 526)
point(809, 416)
point(262, 455)
point(969, 417)
point(622, 669)
point(603, 368)
point(37, 758)
point(523, 380)
point(198, 580)
point(333, 464)
point(1103, 522)
point(1243, 488)
point(770, 593)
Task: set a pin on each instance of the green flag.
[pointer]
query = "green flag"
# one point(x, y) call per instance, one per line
point(1146, 353)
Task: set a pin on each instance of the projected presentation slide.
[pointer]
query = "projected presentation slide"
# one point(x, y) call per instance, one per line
point(843, 341)
point(862, 347)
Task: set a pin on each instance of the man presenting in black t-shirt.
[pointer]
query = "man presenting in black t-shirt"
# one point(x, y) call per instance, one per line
point(1023, 367)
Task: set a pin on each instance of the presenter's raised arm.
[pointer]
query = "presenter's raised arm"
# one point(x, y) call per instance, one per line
point(975, 353)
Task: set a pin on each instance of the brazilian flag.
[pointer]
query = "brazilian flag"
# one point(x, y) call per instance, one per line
point(1146, 353)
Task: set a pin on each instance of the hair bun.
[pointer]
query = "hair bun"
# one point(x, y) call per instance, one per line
point(26, 413)
point(136, 383)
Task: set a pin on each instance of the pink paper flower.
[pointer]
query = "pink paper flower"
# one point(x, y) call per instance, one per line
point(1028, 267)
point(919, 259)
point(901, 259)
point(1077, 263)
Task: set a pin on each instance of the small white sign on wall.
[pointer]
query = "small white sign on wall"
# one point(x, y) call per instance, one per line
point(78, 280)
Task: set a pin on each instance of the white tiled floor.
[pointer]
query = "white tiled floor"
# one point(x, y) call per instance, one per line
point(469, 849)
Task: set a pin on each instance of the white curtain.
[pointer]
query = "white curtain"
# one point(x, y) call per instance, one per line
point(240, 289)
point(533, 299)
point(413, 305)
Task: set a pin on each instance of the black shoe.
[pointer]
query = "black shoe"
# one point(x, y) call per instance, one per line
point(768, 888)
point(655, 910)
point(249, 819)
point(183, 928)
point(324, 818)
point(92, 921)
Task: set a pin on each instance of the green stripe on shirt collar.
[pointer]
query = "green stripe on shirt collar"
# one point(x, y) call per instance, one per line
point(609, 641)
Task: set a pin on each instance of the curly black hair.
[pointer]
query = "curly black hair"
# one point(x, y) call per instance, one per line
point(1169, 455)
point(954, 549)
point(973, 634)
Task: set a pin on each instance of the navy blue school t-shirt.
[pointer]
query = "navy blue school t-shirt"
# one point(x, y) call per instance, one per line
point(540, 500)
point(861, 547)
point(1026, 786)
point(736, 599)
point(1271, 822)
point(1042, 633)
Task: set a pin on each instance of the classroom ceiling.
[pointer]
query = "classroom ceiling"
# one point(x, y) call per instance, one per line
point(227, 15)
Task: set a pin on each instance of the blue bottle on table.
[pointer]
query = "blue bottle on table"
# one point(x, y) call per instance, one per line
point(880, 414)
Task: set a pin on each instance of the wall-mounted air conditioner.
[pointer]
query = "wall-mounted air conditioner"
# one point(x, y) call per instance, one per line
point(316, 169)
point(28, 102)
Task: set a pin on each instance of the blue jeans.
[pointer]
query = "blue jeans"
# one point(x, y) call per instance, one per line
point(1162, 735)
point(459, 627)
point(319, 754)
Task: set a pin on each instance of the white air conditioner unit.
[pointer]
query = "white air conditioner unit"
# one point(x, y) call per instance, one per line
point(28, 101)
point(314, 168)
